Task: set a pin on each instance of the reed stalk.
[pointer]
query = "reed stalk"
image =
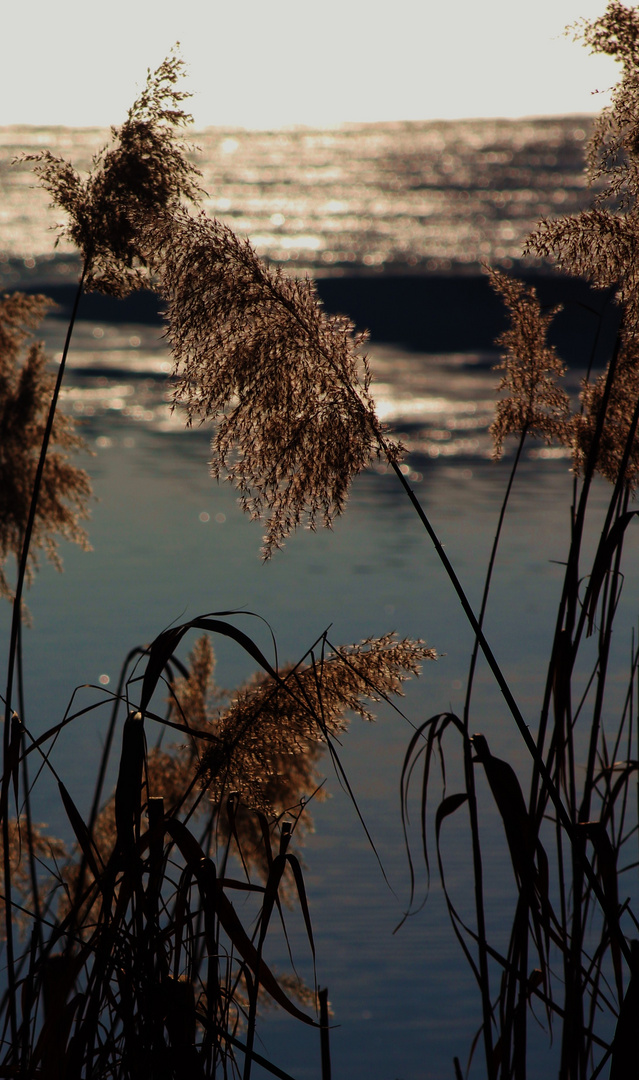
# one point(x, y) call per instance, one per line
point(138, 963)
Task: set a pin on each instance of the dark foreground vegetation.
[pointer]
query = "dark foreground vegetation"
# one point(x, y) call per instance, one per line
point(126, 957)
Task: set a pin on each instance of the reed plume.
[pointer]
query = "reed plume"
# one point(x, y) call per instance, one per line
point(285, 383)
point(26, 387)
point(146, 170)
point(614, 450)
point(264, 746)
point(534, 404)
point(273, 732)
point(600, 244)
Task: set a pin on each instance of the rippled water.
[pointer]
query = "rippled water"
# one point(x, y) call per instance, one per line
point(419, 195)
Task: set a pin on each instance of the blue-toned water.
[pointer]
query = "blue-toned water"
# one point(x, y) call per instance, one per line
point(393, 221)
point(420, 195)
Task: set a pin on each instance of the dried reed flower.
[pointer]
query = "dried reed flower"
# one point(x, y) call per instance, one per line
point(25, 393)
point(612, 151)
point(271, 735)
point(534, 403)
point(197, 695)
point(623, 398)
point(284, 382)
point(145, 170)
point(601, 244)
point(269, 739)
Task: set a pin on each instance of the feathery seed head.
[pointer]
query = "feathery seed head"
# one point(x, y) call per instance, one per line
point(25, 392)
point(601, 244)
point(273, 733)
point(284, 382)
point(144, 171)
point(534, 403)
point(266, 743)
point(623, 396)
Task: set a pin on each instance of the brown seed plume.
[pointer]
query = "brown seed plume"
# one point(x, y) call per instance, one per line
point(26, 387)
point(601, 244)
point(144, 170)
point(285, 383)
point(533, 403)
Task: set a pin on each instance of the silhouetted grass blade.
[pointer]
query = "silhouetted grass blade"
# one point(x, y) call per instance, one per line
point(625, 1046)
point(510, 802)
point(240, 940)
point(164, 646)
point(81, 832)
point(447, 807)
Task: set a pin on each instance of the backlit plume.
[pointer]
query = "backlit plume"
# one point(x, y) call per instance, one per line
point(26, 387)
point(601, 245)
point(267, 742)
point(144, 171)
point(533, 404)
point(285, 384)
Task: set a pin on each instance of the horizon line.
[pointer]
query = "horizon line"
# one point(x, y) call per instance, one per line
point(327, 126)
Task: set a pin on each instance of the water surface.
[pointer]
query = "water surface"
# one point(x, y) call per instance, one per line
point(392, 220)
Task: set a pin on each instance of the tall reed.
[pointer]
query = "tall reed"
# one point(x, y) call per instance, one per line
point(154, 969)
point(129, 959)
point(571, 958)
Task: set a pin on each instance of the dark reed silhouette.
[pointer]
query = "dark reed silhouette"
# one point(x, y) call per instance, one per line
point(570, 965)
point(156, 974)
point(25, 389)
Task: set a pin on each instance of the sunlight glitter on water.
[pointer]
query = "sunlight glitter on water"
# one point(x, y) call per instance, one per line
point(406, 193)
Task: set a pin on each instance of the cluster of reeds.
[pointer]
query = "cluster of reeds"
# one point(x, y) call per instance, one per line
point(125, 955)
point(133, 960)
point(569, 973)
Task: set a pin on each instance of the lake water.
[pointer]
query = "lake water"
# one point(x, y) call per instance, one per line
point(392, 220)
